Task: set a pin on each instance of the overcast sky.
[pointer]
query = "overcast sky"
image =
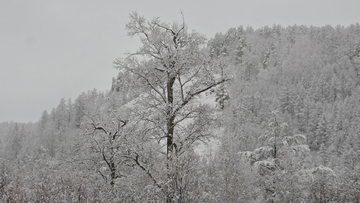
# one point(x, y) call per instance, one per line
point(57, 49)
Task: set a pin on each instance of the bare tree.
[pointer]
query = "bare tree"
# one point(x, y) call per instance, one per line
point(174, 69)
point(107, 139)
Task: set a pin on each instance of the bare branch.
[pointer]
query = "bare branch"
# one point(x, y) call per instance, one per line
point(181, 86)
point(136, 160)
point(105, 159)
point(100, 128)
point(191, 77)
point(150, 84)
point(102, 175)
point(168, 29)
point(183, 118)
point(192, 95)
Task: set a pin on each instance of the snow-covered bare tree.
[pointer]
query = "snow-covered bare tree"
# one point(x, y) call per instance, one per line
point(175, 70)
point(106, 142)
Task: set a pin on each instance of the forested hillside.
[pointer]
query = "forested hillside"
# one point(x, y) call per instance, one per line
point(286, 122)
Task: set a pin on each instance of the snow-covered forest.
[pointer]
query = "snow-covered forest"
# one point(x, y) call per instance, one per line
point(265, 115)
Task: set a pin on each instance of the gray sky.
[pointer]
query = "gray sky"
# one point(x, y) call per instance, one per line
point(57, 49)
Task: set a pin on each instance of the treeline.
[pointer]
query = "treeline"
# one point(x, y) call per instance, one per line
point(289, 123)
point(54, 133)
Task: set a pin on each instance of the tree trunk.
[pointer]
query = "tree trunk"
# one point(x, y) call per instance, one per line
point(170, 142)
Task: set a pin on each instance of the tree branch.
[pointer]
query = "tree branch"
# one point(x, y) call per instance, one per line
point(168, 29)
point(190, 96)
point(136, 160)
point(151, 85)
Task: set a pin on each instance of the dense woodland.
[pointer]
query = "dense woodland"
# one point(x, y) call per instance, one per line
point(265, 115)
